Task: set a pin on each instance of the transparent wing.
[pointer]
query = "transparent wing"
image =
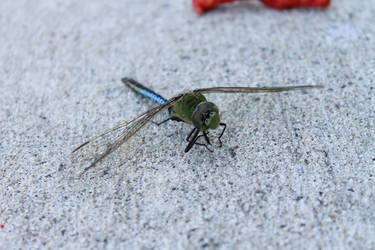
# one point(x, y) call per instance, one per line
point(253, 89)
point(100, 146)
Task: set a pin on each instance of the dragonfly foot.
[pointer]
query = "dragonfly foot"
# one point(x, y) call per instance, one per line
point(205, 145)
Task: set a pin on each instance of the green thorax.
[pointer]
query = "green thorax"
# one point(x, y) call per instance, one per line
point(184, 108)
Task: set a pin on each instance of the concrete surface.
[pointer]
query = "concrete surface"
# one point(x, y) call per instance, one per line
point(296, 170)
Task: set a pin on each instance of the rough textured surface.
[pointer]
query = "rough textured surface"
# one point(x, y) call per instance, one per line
point(296, 170)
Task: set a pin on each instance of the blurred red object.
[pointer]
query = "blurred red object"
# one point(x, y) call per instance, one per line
point(201, 6)
point(285, 4)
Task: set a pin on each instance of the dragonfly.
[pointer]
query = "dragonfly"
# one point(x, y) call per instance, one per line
point(190, 107)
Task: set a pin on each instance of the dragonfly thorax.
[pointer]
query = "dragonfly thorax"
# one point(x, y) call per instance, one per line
point(206, 116)
point(193, 108)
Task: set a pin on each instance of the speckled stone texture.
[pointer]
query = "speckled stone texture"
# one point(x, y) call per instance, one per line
point(296, 170)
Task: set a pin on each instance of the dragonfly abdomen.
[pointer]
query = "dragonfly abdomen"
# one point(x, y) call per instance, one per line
point(139, 88)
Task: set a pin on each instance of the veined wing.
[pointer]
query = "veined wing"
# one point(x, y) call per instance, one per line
point(253, 89)
point(107, 142)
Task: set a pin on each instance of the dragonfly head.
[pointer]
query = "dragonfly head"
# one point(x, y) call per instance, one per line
point(206, 116)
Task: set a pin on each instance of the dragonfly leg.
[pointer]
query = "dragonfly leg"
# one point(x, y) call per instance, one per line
point(193, 140)
point(196, 136)
point(164, 121)
point(205, 145)
point(172, 118)
point(189, 135)
point(222, 132)
point(205, 133)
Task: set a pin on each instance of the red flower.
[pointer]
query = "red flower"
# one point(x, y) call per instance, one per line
point(201, 6)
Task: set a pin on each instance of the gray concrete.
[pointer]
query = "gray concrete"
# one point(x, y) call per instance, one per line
point(296, 170)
